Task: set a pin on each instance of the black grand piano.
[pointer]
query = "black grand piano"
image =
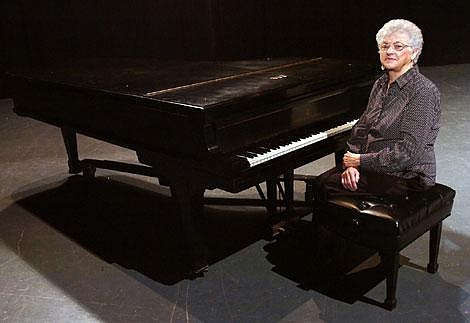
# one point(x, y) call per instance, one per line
point(201, 125)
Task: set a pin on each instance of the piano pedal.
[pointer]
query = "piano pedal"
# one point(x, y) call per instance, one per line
point(271, 231)
point(278, 229)
point(284, 227)
point(285, 222)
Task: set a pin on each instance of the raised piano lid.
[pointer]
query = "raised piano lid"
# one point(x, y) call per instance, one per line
point(212, 95)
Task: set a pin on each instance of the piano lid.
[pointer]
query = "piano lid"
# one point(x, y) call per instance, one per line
point(204, 84)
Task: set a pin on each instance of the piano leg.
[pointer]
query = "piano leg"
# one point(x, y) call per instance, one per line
point(70, 140)
point(273, 225)
point(289, 193)
point(190, 201)
point(271, 195)
point(278, 220)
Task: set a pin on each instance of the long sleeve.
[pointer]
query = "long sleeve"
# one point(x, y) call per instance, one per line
point(402, 142)
point(357, 142)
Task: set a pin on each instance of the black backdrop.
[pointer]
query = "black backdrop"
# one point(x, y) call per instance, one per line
point(45, 32)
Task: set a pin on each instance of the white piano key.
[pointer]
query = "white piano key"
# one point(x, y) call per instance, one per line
point(298, 144)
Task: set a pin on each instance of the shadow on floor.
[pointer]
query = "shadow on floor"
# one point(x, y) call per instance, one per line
point(137, 228)
point(327, 264)
point(344, 271)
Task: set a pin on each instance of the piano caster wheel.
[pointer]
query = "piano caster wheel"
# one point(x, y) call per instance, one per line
point(74, 168)
point(89, 171)
point(196, 273)
point(390, 304)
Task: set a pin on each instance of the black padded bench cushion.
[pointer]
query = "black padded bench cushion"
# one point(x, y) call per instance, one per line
point(386, 222)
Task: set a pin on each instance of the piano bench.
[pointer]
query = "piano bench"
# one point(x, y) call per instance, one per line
point(388, 224)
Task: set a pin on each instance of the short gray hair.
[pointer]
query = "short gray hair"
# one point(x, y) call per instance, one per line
point(404, 26)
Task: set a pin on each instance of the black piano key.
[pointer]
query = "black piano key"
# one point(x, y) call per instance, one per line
point(258, 150)
point(249, 154)
point(264, 149)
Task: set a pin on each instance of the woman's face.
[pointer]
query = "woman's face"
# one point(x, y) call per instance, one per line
point(395, 52)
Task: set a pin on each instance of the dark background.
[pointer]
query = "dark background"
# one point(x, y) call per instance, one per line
point(48, 32)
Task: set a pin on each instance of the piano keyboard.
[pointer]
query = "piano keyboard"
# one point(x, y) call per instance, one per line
point(263, 154)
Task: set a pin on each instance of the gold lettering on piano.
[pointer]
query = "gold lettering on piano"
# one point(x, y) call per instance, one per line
point(278, 77)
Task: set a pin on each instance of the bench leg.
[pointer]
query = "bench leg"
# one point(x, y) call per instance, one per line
point(391, 262)
point(434, 240)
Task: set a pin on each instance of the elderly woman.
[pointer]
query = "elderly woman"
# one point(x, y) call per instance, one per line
point(391, 148)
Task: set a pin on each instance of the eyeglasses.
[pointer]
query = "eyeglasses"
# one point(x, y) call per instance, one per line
point(397, 46)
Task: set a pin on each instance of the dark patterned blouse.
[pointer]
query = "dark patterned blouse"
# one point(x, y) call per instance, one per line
point(396, 133)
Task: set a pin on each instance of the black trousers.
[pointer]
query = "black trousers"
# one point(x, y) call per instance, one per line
point(370, 183)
